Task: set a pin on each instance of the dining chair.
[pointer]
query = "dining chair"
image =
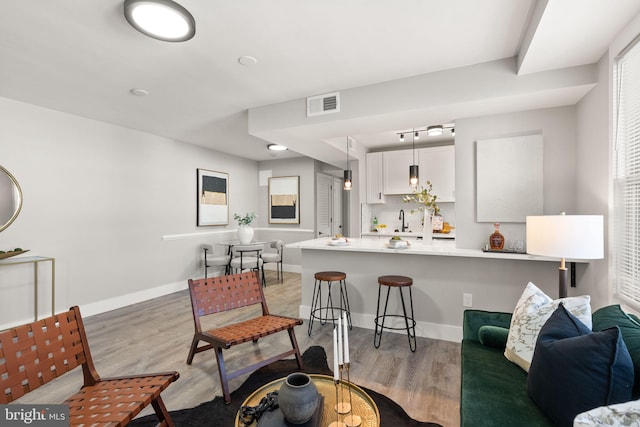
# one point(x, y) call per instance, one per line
point(248, 257)
point(275, 257)
point(211, 260)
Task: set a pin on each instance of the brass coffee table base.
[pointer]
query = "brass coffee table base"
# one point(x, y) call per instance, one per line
point(362, 404)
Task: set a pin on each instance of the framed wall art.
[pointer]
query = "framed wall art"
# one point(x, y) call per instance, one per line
point(284, 200)
point(213, 198)
point(509, 178)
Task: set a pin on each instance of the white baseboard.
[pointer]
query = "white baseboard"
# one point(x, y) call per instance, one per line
point(169, 288)
point(423, 329)
point(361, 320)
point(113, 303)
point(132, 298)
point(135, 297)
point(291, 268)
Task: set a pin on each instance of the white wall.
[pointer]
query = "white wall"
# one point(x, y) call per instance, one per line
point(593, 174)
point(114, 206)
point(558, 127)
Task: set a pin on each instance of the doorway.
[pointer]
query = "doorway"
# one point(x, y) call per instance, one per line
point(329, 206)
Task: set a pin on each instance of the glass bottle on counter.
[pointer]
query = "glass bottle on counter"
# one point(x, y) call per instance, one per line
point(374, 227)
point(496, 240)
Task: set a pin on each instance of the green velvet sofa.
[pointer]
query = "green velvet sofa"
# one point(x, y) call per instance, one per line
point(494, 390)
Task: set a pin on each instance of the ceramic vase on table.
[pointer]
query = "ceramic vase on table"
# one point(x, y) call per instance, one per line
point(245, 234)
point(427, 227)
point(298, 398)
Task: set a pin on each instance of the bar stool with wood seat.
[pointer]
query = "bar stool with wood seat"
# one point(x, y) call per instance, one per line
point(329, 277)
point(398, 282)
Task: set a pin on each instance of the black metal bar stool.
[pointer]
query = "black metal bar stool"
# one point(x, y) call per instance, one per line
point(398, 282)
point(316, 301)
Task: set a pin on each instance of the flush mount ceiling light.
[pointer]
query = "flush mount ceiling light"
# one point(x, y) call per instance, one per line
point(434, 130)
point(164, 20)
point(276, 147)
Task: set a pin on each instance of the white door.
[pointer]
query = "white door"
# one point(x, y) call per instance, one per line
point(329, 205)
point(324, 200)
point(336, 208)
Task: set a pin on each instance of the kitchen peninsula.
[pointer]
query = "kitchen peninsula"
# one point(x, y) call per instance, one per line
point(443, 278)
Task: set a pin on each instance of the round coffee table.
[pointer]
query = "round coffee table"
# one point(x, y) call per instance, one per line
point(362, 404)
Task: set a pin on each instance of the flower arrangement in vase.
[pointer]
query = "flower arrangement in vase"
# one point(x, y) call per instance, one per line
point(427, 204)
point(245, 232)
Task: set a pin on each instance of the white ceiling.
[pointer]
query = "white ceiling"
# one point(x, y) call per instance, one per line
point(82, 57)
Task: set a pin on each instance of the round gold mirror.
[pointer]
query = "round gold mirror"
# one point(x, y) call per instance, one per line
point(10, 198)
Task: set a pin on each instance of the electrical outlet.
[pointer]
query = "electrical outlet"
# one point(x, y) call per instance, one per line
point(467, 300)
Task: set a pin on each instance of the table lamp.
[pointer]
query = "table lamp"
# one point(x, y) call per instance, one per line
point(566, 236)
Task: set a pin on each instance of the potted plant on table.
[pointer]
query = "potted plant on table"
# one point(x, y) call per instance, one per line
point(245, 232)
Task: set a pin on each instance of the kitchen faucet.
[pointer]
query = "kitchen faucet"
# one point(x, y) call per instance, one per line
point(401, 217)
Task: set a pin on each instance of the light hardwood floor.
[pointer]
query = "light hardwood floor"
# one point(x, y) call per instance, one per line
point(155, 335)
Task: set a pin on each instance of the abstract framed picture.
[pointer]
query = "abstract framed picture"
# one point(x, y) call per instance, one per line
point(284, 200)
point(213, 198)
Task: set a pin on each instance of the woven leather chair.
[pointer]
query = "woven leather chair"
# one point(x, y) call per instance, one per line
point(36, 353)
point(221, 294)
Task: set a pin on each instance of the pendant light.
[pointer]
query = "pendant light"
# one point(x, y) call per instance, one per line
point(348, 182)
point(413, 169)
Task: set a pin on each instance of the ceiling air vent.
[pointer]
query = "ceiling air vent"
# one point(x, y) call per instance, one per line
point(323, 104)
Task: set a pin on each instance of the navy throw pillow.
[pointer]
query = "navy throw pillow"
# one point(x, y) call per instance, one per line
point(574, 370)
point(613, 315)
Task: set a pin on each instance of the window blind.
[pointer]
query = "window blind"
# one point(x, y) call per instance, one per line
point(626, 182)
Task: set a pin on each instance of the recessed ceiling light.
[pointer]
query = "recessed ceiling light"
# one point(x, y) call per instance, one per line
point(276, 147)
point(139, 92)
point(247, 60)
point(164, 20)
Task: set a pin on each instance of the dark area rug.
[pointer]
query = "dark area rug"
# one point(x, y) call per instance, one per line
point(216, 413)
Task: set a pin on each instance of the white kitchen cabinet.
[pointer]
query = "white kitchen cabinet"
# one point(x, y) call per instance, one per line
point(437, 164)
point(375, 191)
point(395, 165)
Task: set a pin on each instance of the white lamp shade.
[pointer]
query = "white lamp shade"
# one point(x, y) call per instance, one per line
point(566, 236)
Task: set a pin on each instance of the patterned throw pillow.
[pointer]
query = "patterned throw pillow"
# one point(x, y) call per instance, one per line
point(532, 310)
point(621, 415)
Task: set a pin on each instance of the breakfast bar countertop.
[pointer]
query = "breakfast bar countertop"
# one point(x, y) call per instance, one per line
point(414, 247)
point(443, 276)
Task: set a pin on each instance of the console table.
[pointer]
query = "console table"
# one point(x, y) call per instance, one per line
point(35, 260)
